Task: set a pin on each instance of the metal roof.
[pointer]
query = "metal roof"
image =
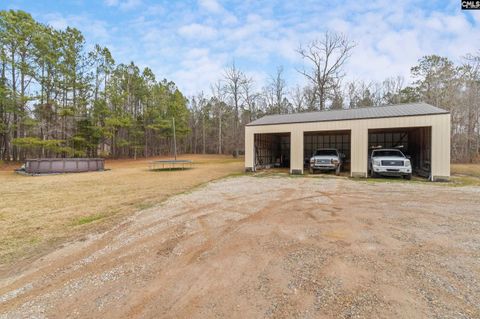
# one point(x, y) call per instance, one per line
point(396, 110)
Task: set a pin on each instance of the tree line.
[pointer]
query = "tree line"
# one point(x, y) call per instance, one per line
point(437, 80)
point(59, 99)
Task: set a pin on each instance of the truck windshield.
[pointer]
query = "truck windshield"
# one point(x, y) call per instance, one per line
point(383, 153)
point(326, 153)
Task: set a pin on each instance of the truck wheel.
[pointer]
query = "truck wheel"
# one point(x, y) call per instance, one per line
point(337, 171)
point(408, 177)
point(373, 174)
point(312, 171)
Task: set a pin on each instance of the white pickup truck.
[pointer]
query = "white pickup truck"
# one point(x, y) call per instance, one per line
point(326, 159)
point(390, 162)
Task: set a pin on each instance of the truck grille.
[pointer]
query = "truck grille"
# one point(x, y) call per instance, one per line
point(392, 163)
point(322, 161)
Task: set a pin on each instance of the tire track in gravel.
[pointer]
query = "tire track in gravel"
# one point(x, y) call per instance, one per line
point(288, 198)
point(188, 257)
point(221, 232)
point(67, 269)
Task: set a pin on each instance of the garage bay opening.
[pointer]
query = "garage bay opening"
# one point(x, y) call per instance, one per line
point(413, 142)
point(339, 140)
point(272, 150)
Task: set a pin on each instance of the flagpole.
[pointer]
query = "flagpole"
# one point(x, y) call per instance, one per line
point(174, 139)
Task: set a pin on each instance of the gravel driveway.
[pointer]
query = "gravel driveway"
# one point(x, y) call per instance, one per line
point(270, 247)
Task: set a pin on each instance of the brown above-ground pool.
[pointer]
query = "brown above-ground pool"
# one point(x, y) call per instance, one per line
point(63, 165)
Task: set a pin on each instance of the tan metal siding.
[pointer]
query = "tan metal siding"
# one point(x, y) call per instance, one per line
point(441, 147)
point(440, 124)
point(359, 147)
point(249, 148)
point(296, 150)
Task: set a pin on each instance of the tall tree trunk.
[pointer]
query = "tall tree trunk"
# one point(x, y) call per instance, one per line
point(14, 100)
point(235, 128)
point(74, 88)
point(146, 143)
point(21, 129)
point(203, 134)
point(3, 119)
point(113, 148)
point(195, 140)
point(42, 84)
point(220, 133)
point(95, 95)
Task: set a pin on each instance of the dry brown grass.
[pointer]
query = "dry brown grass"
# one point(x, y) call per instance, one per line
point(465, 174)
point(466, 169)
point(39, 213)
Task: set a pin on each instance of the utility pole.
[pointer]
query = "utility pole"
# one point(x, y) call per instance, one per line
point(174, 139)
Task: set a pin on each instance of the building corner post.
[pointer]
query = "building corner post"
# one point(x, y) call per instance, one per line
point(296, 152)
point(249, 150)
point(359, 152)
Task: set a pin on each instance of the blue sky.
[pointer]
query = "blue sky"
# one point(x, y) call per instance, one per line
point(191, 42)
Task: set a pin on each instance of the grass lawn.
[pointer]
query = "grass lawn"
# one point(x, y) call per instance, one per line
point(461, 175)
point(39, 213)
point(466, 174)
point(466, 169)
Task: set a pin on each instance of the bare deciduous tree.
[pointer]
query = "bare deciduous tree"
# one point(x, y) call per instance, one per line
point(363, 94)
point(337, 99)
point(234, 80)
point(471, 106)
point(275, 93)
point(202, 103)
point(327, 56)
point(298, 99)
point(392, 88)
point(218, 98)
point(250, 98)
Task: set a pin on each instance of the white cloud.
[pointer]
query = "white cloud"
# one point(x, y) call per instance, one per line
point(111, 3)
point(211, 5)
point(94, 30)
point(156, 9)
point(123, 4)
point(57, 21)
point(390, 43)
point(216, 9)
point(192, 44)
point(198, 70)
point(197, 31)
point(476, 15)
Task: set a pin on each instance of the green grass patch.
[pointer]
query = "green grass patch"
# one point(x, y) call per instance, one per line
point(34, 241)
point(88, 219)
point(455, 181)
point(464, 181)
point(235, 174)
point(415, 180)
point(143, 206)
point(285, 173)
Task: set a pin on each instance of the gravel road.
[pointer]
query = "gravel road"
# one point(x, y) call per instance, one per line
point(269, 247)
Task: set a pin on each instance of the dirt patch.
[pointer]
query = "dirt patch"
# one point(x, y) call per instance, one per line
point(38, 213)
point(270, 247)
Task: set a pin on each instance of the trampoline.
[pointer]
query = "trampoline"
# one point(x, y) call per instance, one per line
point(170, 164)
